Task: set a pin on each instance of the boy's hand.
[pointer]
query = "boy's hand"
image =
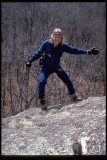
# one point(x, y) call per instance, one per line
point(93, 51)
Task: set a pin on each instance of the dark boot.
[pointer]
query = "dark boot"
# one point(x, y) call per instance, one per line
point(75, 98)
point(43, 104)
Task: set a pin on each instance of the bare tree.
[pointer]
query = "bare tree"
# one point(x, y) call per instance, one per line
point(25, 26)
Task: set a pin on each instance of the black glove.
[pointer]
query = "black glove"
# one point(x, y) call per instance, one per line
point(28, 64)
point(93, 51)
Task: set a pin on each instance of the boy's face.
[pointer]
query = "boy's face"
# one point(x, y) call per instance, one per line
point(56, 39)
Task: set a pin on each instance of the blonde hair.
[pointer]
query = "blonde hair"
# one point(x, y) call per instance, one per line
point(57, 31)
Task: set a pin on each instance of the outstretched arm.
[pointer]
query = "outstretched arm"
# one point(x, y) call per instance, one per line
point(72, 50)
point(37, 54)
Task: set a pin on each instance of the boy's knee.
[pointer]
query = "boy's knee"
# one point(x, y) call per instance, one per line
point(42, 81)
point(41, 77)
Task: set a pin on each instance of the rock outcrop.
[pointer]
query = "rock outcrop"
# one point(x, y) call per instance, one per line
point(54, 133)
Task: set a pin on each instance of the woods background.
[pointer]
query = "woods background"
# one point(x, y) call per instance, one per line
point(25, 25)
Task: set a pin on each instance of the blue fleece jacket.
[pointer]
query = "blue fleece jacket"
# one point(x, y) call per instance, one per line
point(54, 60)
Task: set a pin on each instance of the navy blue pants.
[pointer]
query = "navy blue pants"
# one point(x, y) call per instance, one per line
point(44, 74)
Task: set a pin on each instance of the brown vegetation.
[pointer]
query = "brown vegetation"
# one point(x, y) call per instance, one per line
point(25, 26)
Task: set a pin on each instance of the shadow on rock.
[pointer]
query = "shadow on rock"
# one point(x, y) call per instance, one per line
point(57, 106)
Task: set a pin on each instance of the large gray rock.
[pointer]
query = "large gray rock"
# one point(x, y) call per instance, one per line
point(54, 133)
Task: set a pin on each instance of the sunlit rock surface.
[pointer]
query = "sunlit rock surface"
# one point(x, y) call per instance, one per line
point(54, 133)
